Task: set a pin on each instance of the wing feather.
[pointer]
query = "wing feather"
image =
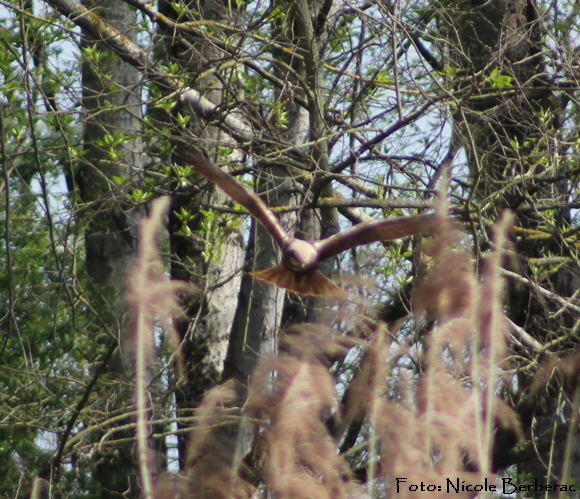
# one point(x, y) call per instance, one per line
point(379, 230)
point(312, 282)
point(236, 191)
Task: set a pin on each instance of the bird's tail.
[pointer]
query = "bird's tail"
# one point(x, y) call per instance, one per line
point(311, 282)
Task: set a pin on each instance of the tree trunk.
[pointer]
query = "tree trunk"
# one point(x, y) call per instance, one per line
point(512, 152)
point(207, 252)
point(111, 101)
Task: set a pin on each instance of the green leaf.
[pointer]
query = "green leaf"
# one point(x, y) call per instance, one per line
point(450, 71)
point(183, 120)
point(382, 77)
point(499, 80)
point(139, 196)
point(119, 180)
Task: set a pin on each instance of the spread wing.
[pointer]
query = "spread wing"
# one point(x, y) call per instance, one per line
point(379, 230)
point(238, 193)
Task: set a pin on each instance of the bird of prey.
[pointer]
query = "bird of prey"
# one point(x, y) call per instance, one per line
point(298, 270)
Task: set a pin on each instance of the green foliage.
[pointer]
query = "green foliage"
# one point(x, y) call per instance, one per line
point(183, 120)
point(180, 8)
point(499, 80)
point(450, 71)
point(42, 359)
point(214, 230)
point(139, 196)
point(183, 173)
point(111, 144)
point(277, 13)
point(94, 55)
point(382, 77)
point(280, 115)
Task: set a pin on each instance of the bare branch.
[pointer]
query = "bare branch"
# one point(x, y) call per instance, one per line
point(134, 55)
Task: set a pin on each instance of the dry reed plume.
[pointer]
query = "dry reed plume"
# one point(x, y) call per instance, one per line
point(424, 410)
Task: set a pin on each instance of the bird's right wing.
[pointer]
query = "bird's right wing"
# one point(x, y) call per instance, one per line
point(236, 191)
point(376, 230)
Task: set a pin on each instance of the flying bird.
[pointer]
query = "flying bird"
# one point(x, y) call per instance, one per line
point(298, 270)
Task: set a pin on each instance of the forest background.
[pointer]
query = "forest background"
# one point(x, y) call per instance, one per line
point(454, 356)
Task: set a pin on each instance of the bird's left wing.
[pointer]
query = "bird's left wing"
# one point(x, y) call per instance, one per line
point(379, 230)
point(236, 191)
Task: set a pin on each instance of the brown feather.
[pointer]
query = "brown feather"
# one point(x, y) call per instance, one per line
point(375, 230)
point(312, 282)
point(238, 192)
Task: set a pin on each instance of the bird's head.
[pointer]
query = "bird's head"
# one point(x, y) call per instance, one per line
point(300, 256)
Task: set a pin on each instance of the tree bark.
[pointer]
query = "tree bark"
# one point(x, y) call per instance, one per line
point(504, 130)
point(210, 257)
point(111, 102)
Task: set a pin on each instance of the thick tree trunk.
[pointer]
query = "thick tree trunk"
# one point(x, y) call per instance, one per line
point(511, 151)
point(263, 309)
point(210, 256)
point(259, 311)
point(111, 101)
